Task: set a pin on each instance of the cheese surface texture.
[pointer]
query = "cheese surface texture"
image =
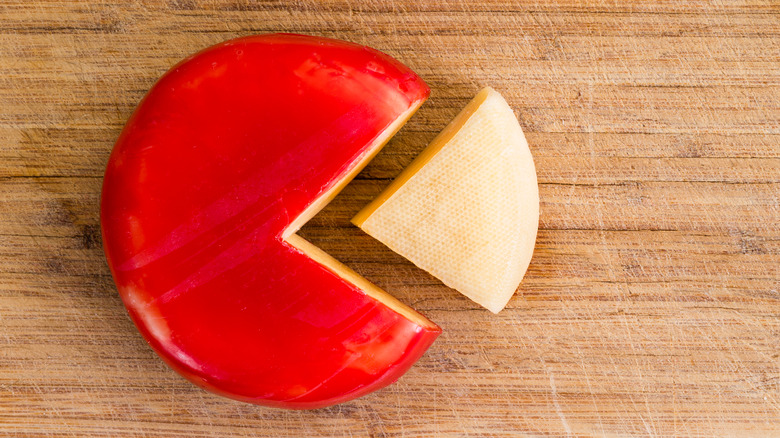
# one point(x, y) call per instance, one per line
point(467, 209)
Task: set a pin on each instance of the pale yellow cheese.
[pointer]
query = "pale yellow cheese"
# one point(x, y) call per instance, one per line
point(467, 209)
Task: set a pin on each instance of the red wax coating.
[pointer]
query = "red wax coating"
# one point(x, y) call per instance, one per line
point(224, 151)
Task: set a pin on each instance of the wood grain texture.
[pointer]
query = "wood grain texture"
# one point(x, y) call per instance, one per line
point(652, 304)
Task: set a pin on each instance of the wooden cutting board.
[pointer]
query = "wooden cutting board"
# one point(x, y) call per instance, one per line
point(651, 306)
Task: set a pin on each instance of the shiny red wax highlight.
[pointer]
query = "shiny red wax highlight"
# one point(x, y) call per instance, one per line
point(225, 150)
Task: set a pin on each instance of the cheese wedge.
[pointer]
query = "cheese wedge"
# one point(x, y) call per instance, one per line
point(467, 209)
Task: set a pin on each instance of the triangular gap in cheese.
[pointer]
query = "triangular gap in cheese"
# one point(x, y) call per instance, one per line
point(330, 262)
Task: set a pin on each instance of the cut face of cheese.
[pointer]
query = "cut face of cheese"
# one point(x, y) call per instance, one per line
point(467, 209)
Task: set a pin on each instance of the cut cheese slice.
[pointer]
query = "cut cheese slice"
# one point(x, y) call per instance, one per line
point(467, 209)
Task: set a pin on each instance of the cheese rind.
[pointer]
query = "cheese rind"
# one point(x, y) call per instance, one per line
point(227, 155)
point(467, 209)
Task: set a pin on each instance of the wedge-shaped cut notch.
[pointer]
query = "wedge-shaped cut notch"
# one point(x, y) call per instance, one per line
point(467, 209)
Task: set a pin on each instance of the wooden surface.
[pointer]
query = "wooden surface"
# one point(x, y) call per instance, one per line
point(651, 306)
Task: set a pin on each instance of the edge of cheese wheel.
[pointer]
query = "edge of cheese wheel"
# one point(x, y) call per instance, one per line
point(466, 209)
